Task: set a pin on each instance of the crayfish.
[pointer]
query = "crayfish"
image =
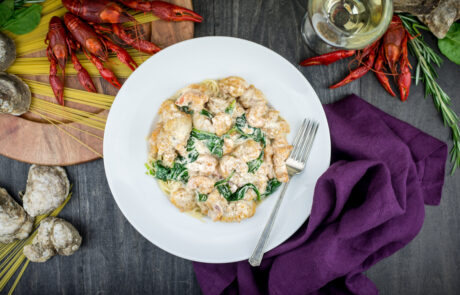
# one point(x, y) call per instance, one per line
point(87, 27)
point(388, 50)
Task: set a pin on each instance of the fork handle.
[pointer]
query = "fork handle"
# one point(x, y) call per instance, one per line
point(258, 253)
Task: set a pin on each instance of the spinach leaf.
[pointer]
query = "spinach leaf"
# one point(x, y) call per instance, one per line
point(177, 172)
point(257, 134)
point(450, 44)
point(224, 190)
point(240, 192)
point(206, 113)
point(272, 185)
point(225, 180)
point(24, 20)
point(190, 147)
point(202, 197)
point(185, 109)
point(231, 107)
point(254, 165)
point(213, 142)
point(6, 10)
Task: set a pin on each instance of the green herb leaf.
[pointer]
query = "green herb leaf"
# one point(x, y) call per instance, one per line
point(24, 20)
point(202, 197)
point(178, 172)
point(272, 185)
point(190, 147)
point(450, 44)
point(185, 109)
point(206, 113)
point(214, 143)
point(240, 192)
point(224, 190)
point(254, 165)
point(231, 107)
point(6, 10)
point(257, 134)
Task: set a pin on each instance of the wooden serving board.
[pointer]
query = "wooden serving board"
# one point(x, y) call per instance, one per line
point(31, 139)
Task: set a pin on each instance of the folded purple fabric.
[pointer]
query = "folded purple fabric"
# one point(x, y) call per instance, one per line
point(366, 206)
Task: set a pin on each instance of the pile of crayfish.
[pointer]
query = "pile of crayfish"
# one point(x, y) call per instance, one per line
point(88, 27)
point(388, 50)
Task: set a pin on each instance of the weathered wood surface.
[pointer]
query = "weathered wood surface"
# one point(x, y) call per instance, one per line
point(115, 259)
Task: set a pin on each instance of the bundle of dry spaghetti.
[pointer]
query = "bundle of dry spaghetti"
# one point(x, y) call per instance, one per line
point(12, 257)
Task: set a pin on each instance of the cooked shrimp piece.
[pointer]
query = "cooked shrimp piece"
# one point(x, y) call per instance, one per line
point(281, 173)
point(248, 151)
point(233, 86)
point(241, 178)
point(214, 206)
point(238, 110)
point(202, 122)
point(239, 210)
point(222, 122)
point(204, 165)
point(218, 105)
point(228, 146)
point(183, 199)
point(178, 130)
point(153, 140)
point(228, 164)
point(255, 115)
point(251, 97)
point(165, 150)
point(201, 148)
point(168, 110)
point(192, 99)
point(281, 151)
point(275, 129)
point(203, 184)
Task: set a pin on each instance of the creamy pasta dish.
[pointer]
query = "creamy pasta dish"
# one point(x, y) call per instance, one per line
point(218, 149)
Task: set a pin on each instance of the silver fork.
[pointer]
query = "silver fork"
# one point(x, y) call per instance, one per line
point(295, 164)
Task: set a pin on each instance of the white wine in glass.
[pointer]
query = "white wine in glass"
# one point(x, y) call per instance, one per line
point(345, 24)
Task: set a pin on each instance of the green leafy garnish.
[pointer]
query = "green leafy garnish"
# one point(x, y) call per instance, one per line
point(202, 197)
point(185, 109)
point(257, 134)
point(206, 113)
point(272, 185)
point(425, 72)
point(190, 147)
point(23, 20)
point(240, 192)
point(213, 142)
point(177, 172)
point(450, 44)
point(254, 165)
point(231, 107)
point(6, 11)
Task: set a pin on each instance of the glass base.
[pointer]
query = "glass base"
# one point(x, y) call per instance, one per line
point(311, 39)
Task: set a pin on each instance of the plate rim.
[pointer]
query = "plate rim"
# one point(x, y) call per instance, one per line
point(115, 104)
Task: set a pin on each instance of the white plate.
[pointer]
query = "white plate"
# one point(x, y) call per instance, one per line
point(131, 120)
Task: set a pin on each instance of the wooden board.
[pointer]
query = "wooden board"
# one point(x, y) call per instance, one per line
point(29, 139)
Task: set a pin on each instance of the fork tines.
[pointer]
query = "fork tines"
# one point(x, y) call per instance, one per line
point(303, 142)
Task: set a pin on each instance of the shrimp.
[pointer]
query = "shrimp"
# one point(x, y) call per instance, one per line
point(202, 122)
point(183, 199)
point(214, 206)
point(239, 210)
point(228, 164)
point(165, 150)
point(203, 184)
point(281, 151)
point(204, 165)
point(178, 130)
point(222, 122)
point(252, 96)
point(193, 99)
point(168, 110)
point(275, 125)
point(233, 86)
point(255, 115)
point(153, 140)
point(248, 151)
point(281, 173)
point(228, 146)
point(218, 105)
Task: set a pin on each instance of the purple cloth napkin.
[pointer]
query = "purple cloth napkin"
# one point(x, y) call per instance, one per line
point(366, 206)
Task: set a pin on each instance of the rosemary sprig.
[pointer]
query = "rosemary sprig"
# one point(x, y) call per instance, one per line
point(425, 72)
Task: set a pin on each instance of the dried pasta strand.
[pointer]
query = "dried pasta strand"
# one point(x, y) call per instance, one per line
point(98, 100)
point(50, 6)
point(72, 136)
point(73, 127)
point(41, 66)
point(18, 278)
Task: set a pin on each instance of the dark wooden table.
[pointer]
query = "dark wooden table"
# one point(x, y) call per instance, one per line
point(116, 259)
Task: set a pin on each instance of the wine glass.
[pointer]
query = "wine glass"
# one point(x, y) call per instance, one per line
point(330, 25)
